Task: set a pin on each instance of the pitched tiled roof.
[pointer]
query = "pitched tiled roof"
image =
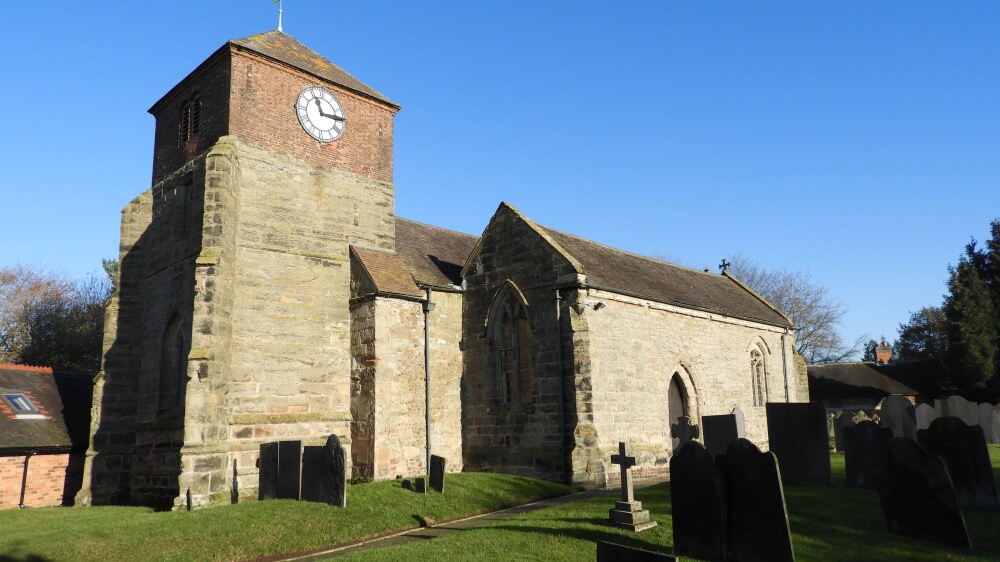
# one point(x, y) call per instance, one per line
point(852, 380)
point(39, 386)
point(435, 256)
point(649, 278)
point(284, 48)
point(387, 272)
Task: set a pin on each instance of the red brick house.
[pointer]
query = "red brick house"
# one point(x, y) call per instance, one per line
point(40, 460)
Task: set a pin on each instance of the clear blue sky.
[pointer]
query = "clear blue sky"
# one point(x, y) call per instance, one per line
point(854, 141)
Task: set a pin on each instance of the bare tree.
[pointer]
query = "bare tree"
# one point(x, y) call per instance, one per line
point(21, 287)
point(816, 315)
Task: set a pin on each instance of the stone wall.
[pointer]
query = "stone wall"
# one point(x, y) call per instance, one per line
point(525, 438)
point(47, 480)
point(636, 346)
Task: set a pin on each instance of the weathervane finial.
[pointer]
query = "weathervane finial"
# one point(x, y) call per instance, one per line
point(278, 2)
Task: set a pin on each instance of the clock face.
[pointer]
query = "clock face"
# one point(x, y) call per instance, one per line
point(320, 114)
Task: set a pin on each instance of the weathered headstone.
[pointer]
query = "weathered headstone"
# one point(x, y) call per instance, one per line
point(683, 431)
point(963, 449)
point(610, 552)
point(698, 503)
point(845, 419)
point(897, 414)
point(267, 467)
point(989, 420)
point(289, 469)
point(925, 415)
point(757, 518)
point(864, 444)
point(718, 432)
point(958, 407)
point(437, 473)
point(628, 513)
point(797, 435)
point(917, 495)
point(324, 473)
point(741, 424)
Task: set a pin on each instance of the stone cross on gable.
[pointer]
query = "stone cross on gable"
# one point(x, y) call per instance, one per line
point(626, 463)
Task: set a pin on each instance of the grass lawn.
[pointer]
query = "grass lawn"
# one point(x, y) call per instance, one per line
point(250, 530)
point(828, 523)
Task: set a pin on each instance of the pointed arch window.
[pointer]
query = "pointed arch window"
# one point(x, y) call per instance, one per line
point(758, 377)
point(510, 339)
point(173, 365)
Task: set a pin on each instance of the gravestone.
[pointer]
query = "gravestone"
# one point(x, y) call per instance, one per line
point(925, 415)
point(958, 407)
point(719, 432)
point(683, 431)
point(845, 419)
point(864, 444)
point(741, 424)
point(797, 436)
point(289, 469)
point(757, 519)
point(963, 449)
point(324, 473)
point(989, 420)
point(611, 552)
point(698, 503)
point(897, 414)
point(437, 473)
point(628, 513)
point(917, 496)
point(267, 467)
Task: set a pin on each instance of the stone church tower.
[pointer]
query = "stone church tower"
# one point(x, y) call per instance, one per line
point(231, 323)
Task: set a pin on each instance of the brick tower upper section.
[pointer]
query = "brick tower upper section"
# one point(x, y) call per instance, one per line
point(248, 89)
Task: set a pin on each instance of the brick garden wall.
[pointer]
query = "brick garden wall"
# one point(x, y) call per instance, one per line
point(47, 476)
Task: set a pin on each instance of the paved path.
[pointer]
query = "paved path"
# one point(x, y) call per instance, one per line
point(414, 536)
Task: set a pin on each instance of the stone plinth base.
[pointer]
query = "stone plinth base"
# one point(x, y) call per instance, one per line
point(631, 516)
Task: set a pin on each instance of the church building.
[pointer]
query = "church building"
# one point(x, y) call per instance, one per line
point(268, 291)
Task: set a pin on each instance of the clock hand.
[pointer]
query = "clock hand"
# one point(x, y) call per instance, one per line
point(322, 113)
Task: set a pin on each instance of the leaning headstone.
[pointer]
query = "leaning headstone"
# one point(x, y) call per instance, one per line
point(797, 435)
point(628, 513)
point(845, 419)
point(958, 407)
point(989, 421)
point(917, 495)
point(698, 503)
point(718, 432)
point(437, 473)
point(757, 518)
point(897, 414)
point(683, 431)
point(963, 449)
point(741, 424)
point(610, 552)
point(925, 415)
point(864, 444)
point(267, 468)
point(289, 469)
point(324, 473)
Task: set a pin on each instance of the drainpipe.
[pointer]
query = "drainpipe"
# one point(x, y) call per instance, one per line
point(784, 362)
point(428, 307)
point(24, 479)
point(567, 470)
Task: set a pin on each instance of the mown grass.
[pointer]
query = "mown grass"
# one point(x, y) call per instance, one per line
point(250, 530)
point(827, 522)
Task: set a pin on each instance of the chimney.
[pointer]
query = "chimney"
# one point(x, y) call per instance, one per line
point(883, 352)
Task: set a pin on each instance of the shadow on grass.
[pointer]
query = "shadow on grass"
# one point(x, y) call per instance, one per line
point(26, 558)
point(587, 534)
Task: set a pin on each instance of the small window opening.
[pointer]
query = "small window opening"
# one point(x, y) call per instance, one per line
point(190, 121)
point(20, 403)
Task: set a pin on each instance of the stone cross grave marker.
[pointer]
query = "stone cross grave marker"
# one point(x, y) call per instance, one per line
point(698, 503)
point(437, 473)
point(628, 513)
point(963, 450)
point(683, 431)
point(917, 495)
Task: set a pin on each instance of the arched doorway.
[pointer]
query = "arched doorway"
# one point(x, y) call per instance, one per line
point(677, 405)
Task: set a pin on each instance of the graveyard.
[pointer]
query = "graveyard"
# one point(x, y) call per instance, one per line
point(827, 522)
